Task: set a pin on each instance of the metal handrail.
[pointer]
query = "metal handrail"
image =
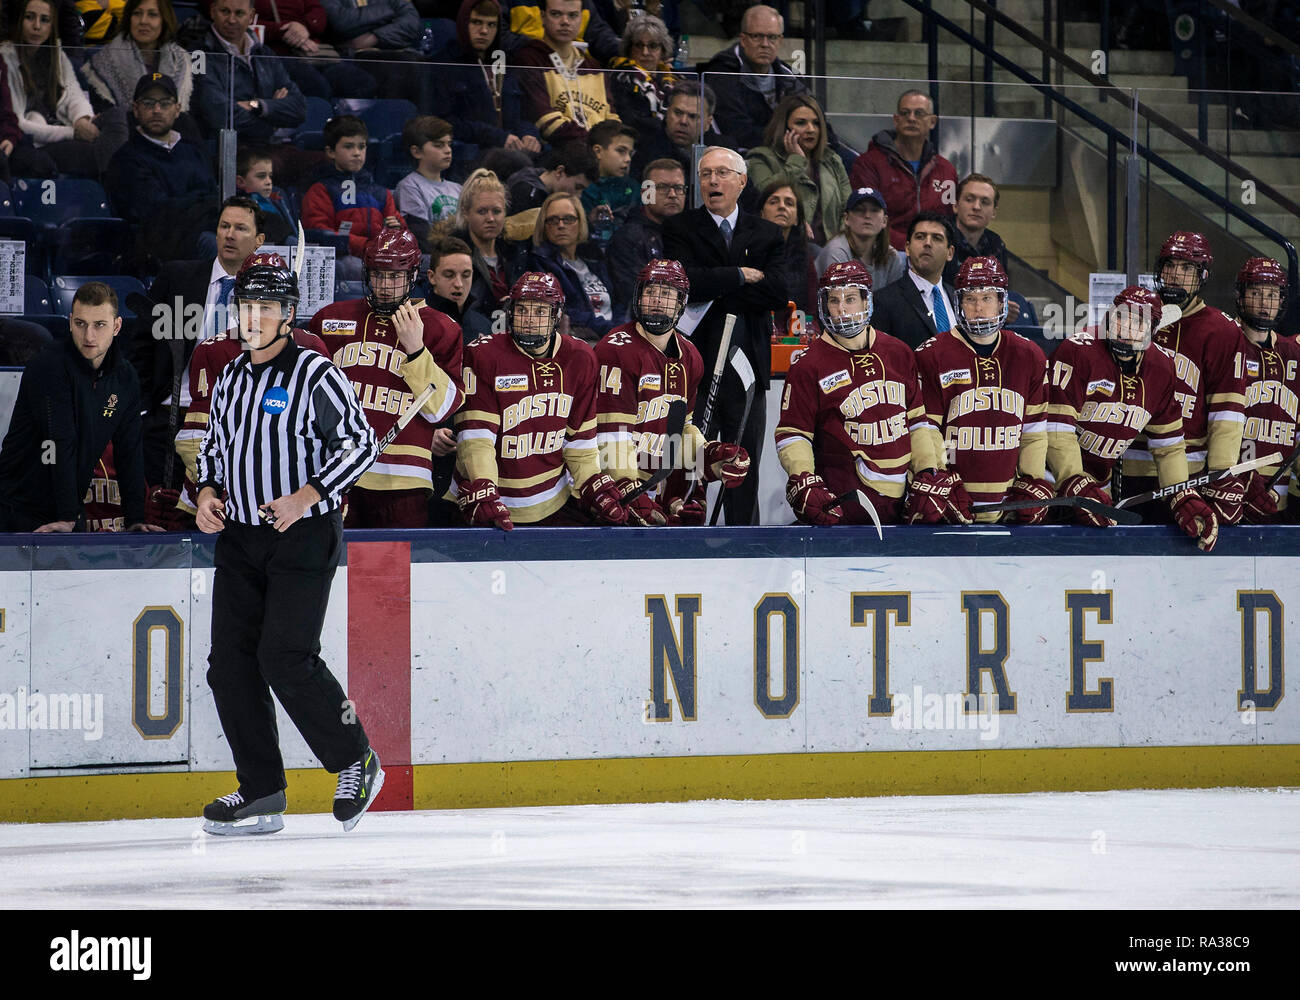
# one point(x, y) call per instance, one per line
point(1259, 27)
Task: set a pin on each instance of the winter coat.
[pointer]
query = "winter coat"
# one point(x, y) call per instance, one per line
point(73, 103)
point(933, 189)
point(767, 164)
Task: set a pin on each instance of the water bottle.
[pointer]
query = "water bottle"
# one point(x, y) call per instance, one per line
point(426, 40)
point(682, 59)
point(601, 224)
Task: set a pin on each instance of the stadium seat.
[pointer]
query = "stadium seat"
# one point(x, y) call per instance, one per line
point(65, 286)
point(185, 11)
point(324, 238)
point(52, 203)
point(310, 134)
point(6, 200)
point(344, 290)
point(384, 117)
point(90, 246)
point(36, 297)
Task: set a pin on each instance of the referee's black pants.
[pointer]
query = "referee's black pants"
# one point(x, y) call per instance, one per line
point(269, 595)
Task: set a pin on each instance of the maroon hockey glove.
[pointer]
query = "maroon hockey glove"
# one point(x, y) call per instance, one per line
point(601, 498)
point(937, 496)
point(481, 505)
point(685, 513)
point(160, 509)
point(726, 462)
point(1226, 497)
point(1261, 502)
point(1196, 518)
point(1083, 485)
point(810, 499)
point(643, 511)
point(1025, 488)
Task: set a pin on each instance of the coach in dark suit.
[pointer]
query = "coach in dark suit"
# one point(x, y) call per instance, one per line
point(920, 304)
point(190, 302)
point(736, 261)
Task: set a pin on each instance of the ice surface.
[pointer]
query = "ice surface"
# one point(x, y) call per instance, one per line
point(1199, 849)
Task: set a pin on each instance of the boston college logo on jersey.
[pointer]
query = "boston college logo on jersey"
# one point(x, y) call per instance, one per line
point(110, 405)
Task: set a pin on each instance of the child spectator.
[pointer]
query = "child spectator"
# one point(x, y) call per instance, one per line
point(346, 200)
point(613, 144)
point(254, 177)
point(423, 197)
point(568, 168)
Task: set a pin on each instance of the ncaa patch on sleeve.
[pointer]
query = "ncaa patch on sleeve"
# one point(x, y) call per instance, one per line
point(275, 401)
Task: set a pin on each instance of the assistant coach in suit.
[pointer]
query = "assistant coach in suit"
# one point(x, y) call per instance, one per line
point(736, 261)
point(920, 304)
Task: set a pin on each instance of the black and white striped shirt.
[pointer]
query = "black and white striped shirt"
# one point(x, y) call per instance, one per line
point(278, 426)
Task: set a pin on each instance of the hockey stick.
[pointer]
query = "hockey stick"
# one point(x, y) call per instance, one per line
point(1204, 479)
point(719, 364)
point(746, 372)
point(866, 504)
point(668, 464)
point(1116, 514)
point(1283, 469)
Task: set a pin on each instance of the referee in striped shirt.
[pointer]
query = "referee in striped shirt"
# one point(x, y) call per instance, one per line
point(286, 436)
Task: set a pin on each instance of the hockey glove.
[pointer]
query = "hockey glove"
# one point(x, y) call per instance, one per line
point(1083, 485)
point(1196, 518)
point(1226, 497)
point(1025, 488)
point(643, 511)
point(937, 496)
point(601, 498)
point(481, 505)
point(1261, 502)
point(811, 500)
point(726, 462)
point(160, 509)
point(685, 513)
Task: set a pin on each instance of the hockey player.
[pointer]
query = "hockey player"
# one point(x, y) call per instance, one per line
point(852, 416)
point(1272, 367)
point(526, 437)
point(985, 388)
point(209, 357)
point(1105, 391)
point(1207, 348)
point(644, 366)
point(391, 349)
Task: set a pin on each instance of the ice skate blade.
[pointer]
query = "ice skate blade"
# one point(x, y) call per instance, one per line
point(374, 794)
point(264, 824)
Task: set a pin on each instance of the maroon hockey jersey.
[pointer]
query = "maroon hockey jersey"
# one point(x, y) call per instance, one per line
point(1272, 373)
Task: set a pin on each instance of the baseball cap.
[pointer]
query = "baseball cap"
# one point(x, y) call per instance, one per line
point(154, 81)
point(865, 194)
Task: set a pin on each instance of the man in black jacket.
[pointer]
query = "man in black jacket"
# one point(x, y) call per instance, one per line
point(736, 264)
point(75, 397)
point(920, 304)
point(641, 238)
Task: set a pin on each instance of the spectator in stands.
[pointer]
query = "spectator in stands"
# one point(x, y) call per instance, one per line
point(904, 165)
point(347, 193)
point(451, 278)
point(644, 76)
point(619, 14)
point(53, 111)
point(265, 98)
point(641, 238)
point(612, 144)
point(101, 18)
point(561, 230)
point(977, 206)
point(794, 150)
point(255, 179)
point(145, 45)
point(366, 27)
point(192, 302)
point(480, 223)
point(568, 168)
point(422, 196)
point(160, 183)
point(680, 130)
point(483, 99)
point(779, 204)
point(864, 236)
point(10, 134)
point(75, 397)
point(528, 23)
point(65, 13)
point(296, 28)
point(920, 304)
point(746, 102)
point(567, 99)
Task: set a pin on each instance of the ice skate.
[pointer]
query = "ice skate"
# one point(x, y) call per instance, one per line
point(359, 783)
point(229, 815)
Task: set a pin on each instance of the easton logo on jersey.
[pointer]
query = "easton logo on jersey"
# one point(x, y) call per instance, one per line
point(338, 327)
point(958, 376)
point(832, 382)
point(1103, 385)
point(512, 383)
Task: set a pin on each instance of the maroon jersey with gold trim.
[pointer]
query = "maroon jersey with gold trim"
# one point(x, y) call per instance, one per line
point(1095, 411)
point(364, 344)
point(990, 410)
point(636, 382)
point(862, 412)
point(103, 506)
point(1206, 348)
point(1272, 402)
point(528, 423)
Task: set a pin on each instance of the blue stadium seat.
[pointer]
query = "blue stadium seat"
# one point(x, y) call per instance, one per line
point(65, 286)
point(6, 200)
point(51, 203)
point(185, 11)
point(324, 238)
point(90, 246)
point(310, 134)
point(384, 116)
point(344, 290)
point(36, 297)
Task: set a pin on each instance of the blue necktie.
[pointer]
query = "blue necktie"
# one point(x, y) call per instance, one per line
point(221, 308)
point(725, 226)
point(941, 321)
